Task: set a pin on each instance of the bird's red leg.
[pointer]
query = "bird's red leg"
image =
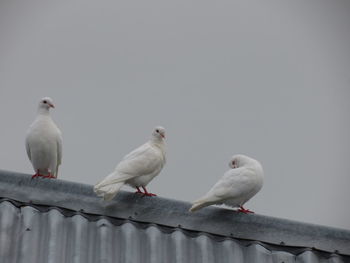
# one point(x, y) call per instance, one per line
point(245, 211)
point(147, 193)
point(138, 190)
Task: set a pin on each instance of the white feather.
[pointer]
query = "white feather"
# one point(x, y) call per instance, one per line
point(137, 168)
point(44, 142)
point(236, 187)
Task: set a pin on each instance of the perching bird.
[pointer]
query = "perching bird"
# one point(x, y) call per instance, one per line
point(137, 168)
point(236, 187)
point(44, 142)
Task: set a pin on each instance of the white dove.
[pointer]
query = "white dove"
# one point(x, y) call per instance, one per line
point(44, 142)
point(236, 187)
point(137, 168)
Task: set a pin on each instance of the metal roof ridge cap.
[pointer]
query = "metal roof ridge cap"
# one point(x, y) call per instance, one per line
point(56, 185)
point(164, 211)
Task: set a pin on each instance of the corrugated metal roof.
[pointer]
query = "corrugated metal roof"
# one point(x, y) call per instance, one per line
point(58, 221)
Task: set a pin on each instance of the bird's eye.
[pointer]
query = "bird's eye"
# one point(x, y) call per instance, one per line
point(233, 163)
point(157, 131)
point(45, 101)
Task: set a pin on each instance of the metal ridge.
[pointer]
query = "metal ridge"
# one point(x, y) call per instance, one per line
point(171, 213)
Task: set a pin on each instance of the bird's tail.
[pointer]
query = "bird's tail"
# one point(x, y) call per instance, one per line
point(107, 191)
point(200, 203)
point(197, 206)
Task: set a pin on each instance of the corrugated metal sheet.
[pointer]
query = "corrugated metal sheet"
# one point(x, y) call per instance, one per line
point(33, 236)
point(43, 221)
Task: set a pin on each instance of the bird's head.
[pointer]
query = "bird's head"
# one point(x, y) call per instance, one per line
point(159, 132)
point(46, 103)
point(240, 160)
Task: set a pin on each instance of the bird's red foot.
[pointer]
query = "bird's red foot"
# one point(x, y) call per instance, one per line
point(245, 211)
point(37, 174)
point(138, 191)
point(50, 176)
point(147, 193)
point(43, 176)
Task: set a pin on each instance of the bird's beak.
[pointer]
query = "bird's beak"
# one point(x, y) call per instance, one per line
point(51, 105)
point(163, 136)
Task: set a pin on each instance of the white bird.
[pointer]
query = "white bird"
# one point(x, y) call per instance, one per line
point(236, 187)
point(137, 168)
point(44, 142)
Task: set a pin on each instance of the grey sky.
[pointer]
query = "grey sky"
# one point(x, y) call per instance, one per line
point(269, 79)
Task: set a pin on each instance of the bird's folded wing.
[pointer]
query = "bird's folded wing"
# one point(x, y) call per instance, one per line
point(59, 149)
point(144, 162)
point(114, 178)
point(234, 183)
point(28, 149)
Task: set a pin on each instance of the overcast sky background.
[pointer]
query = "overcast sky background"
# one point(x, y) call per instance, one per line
point(269, 79)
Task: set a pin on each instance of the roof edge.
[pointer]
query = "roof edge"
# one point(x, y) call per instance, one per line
point(172, 213)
